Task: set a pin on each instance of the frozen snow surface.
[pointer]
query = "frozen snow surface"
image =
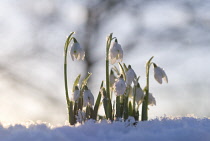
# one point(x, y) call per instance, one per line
point(159, 129)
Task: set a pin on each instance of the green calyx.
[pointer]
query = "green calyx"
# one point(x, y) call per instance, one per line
point(75, 40)
point(121, 76)
point(138, 85)
point(85, 87)
point(76, 88)
point(154, 65)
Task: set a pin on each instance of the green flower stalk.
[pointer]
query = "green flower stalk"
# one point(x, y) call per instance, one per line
point(109, 104)
point(76, 53)
point(68, 40)
point(144, 115)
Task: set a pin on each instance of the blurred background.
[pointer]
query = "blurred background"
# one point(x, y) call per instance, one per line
point(33, 33)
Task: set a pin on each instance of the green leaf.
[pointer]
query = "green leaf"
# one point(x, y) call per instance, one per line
point(96, 107)
point(76, 82)
point(102, 83)
point(122, 71)
point(138, 78)
point(116, 70)
point(75, 110)
point(130, 109)
point(125, 110)
point(125, 67)
point(71, 113)
point(84, 82)
point(118, 115)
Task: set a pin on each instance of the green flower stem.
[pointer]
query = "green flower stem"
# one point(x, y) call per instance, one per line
point(121, 105)
point(130, 109)
point(68, 40)
point(71, 113)
point(134, 99)
point(144, 116)
point(109, 105)
point(125, 109)
point(118, 107)
point(75, 111)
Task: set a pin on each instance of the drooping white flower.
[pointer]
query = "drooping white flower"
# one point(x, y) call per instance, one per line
point(88, 98)
point(119, 86)
point(159, 74)
point(77, 52)
point(76, 93)
point(81, 116)
point(115, 52)
point(130, 75)
point(139, 94)
point(151, 100)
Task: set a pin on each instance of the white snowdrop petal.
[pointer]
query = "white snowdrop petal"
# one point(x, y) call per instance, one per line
point(112, 80)
point(158, 78)
point(113, 61)
point(88, 98)
point(77, 52)
point(151, 100)
point(76, 95)
point(120, 87)
point(139, 95)
point(130, 75)
point(158, 74)
point(115, 53)
point(82, 54)
point(165, 76)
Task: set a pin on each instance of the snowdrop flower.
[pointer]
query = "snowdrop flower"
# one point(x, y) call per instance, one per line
point(76, 93)
point(159, 74)
point(119, 86)
point(151, 100)
point(112, 78)
point(139, 95)
point(88, 98)
point(115, 52)
point(130, 75)
point(77, 52)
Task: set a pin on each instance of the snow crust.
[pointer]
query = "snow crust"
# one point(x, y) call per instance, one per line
point(159, 129)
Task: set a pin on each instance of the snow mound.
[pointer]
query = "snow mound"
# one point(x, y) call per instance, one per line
point(159, 129)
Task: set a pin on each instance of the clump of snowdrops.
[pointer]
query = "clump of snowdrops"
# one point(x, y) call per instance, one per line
point(120, 94)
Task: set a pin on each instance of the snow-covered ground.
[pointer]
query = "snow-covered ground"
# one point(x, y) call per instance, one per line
point(159, 129)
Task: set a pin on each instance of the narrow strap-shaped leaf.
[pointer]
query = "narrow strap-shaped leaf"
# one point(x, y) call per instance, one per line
point(84, 82)
point(125, 110)
point(71, 113)
point(121, 105)
point(76, 82)
point(125, 67)
point(130, 109)
point(116, 70)
point(118, 113)
point(75, 110)
point(122, 71)
point(96, 107)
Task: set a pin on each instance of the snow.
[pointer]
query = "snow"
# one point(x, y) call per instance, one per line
point(159, 129)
